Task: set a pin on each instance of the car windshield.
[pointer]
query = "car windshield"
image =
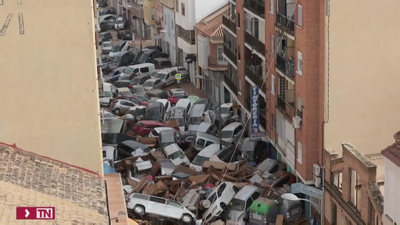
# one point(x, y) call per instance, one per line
point(107, 44)
point(177, 154)
point(148, 84)
point(180, 95)
point(227, 134)
point(160, 75)
point(270, 180)
point(108, 94)
point(138, 90)
point(117, 58)
point(199, 160)
point(237, 204)
point(153, 114)
point(168, 138)
point(224, 110)
point(143, 57)
point(115, 48)
point(195, 120)
point(128, 70)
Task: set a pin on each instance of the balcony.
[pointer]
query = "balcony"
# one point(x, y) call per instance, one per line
point(231, 84)
point(229, 23)
point(256, 6)
point(286, 108)
point(255, 74)
point(254, 43)
point(187, 35)
point(285, 23)
point(286, 66)
point(217, 64)
point(230, 54)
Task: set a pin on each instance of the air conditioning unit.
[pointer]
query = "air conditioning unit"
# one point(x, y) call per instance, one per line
point(316, 170)
point(296, 122)
point(317, 181)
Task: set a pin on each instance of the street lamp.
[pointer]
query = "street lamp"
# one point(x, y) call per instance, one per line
point(292, 197)
point(220, 102)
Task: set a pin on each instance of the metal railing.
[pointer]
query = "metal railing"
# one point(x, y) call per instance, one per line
point(230, 54)
point(255, 74)
point(282, 21)
point(254, 42)
point(231, 83)
point(286, 66)
point(187, 35)
point(229, 23)
point(256, 6)
point(287, 108)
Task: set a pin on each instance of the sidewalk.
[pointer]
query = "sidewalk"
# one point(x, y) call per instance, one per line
point(189, 88)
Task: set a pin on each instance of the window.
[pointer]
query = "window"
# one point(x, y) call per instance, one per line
point(272, 84)
point(299, 63)
point(158, 200)
point(177, 5)
point(355, 187)
point(221, 189)
point(238, 20)
point(272, 40)
point(220, 50)
point(183, 9)
point(299, 152)
point(299, 110)
point(237, 130)
point(209, 143)
point(240, 84)
point(172, 25)
point(337, 180)
point(144, 69)
point(238, 53)
point(299, 16)
point(271, 6)
point(248, 23)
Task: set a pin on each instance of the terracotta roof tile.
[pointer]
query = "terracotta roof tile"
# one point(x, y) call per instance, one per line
point(27, 179)
point(208, 28)
point(393, 153)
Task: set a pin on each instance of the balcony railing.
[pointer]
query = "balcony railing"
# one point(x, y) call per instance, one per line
point(255, 43)
point(231, 84)
point(286, 66)
point(255, 74)
point(217, 63)
point(229, 23)
point(187, 35)
point(282, 22)
point(230, 54)
point(286, 107)
point(255, 6)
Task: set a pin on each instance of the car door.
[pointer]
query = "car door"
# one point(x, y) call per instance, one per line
point(158, 84)
point(167, 79)
point(157, 206)
point(174, 209)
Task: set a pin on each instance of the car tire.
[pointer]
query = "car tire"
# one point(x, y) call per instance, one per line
point(139, 209)
point(117, 111)
point(187, 219)
point(224, 207)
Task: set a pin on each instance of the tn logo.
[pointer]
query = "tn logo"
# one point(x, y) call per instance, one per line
point(9, 18)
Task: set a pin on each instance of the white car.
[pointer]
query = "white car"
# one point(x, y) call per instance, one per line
point(176, 155)
point(119, 47)
point(120, 23)
point(110, 154)
point(167, 76)
point(152, 84)
point(204, 155)
point(167, 106)
point(142, 204)
point(121, 106)
point(185, 104)
point(240, 203)
point(232, 132)
point(157, 130)
point(106, 47)
point(219, 199)
point(226, 111)
point(108, 92)
point(124, 91)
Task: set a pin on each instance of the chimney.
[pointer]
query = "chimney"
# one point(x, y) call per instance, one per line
point(396, 137)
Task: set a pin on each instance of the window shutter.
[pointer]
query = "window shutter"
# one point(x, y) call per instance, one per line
point(299, 16)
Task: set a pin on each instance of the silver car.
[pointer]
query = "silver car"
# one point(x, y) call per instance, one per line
point(152, 84)
point(121, 106)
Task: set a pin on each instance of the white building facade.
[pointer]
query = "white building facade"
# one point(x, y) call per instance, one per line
point(169, 38)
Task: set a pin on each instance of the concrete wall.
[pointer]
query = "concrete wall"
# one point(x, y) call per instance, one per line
point(363, 80)
point(392, 184)
point(50, 102)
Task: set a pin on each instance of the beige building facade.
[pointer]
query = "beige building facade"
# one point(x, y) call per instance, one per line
point(49, 82)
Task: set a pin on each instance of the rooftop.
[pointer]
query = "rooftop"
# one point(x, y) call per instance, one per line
point(211, 26)
point(392, 152)
point(28, 179)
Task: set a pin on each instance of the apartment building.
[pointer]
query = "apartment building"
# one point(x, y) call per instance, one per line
point(53, 93)
point(134, 13)
point(168, 42)
point(187, 14)
point(211, 64)
point(315, 76)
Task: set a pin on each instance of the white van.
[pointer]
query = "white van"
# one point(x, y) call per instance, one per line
point(143, 69)
point(204, 155)
point(203, 140)
point(167, 76)
point(108, 92)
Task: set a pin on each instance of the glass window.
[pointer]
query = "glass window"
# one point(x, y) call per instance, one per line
point(299, 63)
point(209, 143)
point(237, 204)
point(221, 189)
point(144, 69)
point(271, 6)
point(227, 134)
point(183, 9)
point(199, 160)
point(299, 16)
point(158, 200)
point(174, 204)
point(200, 142)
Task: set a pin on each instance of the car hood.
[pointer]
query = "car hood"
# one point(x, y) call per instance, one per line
point(193, 127)
point(234, 215)
point(104, 100)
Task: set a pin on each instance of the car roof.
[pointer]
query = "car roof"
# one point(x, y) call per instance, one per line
point(141, 76)
point(166, 70)
point(227, 105)
point(172, 148)
point(203, 126)
point(183, 102)
point(153, 79)
point(232, 126)
point(163, 101)
point(134, 144)
point(142, 65)
point(177, 90)
point(209, 150)
point(206, 136)
point(137, 107)
point(246, 192)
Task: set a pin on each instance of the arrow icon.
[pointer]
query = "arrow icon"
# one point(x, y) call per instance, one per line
point(27, 213)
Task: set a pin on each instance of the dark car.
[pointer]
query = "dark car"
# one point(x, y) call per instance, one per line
point(162, 63)
point(115, 138)
point(125, 35)
point(127, 148)
point(107, 24)
point(157, 93)
point(148, 55)
point(155, 111)
point(134, 98)
point(204, 101)
point(140, 79)
point(102, 3)
point(154, 47)
point(108, 10)
point(123, 58)
point(105, 36)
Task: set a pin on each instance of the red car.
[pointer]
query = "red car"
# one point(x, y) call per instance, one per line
point(144, 127)
point(175, 98)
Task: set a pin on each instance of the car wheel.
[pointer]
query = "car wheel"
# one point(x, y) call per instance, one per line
point(117, 111)
point(187, 219)
point(223, 206)
point(138, 209)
